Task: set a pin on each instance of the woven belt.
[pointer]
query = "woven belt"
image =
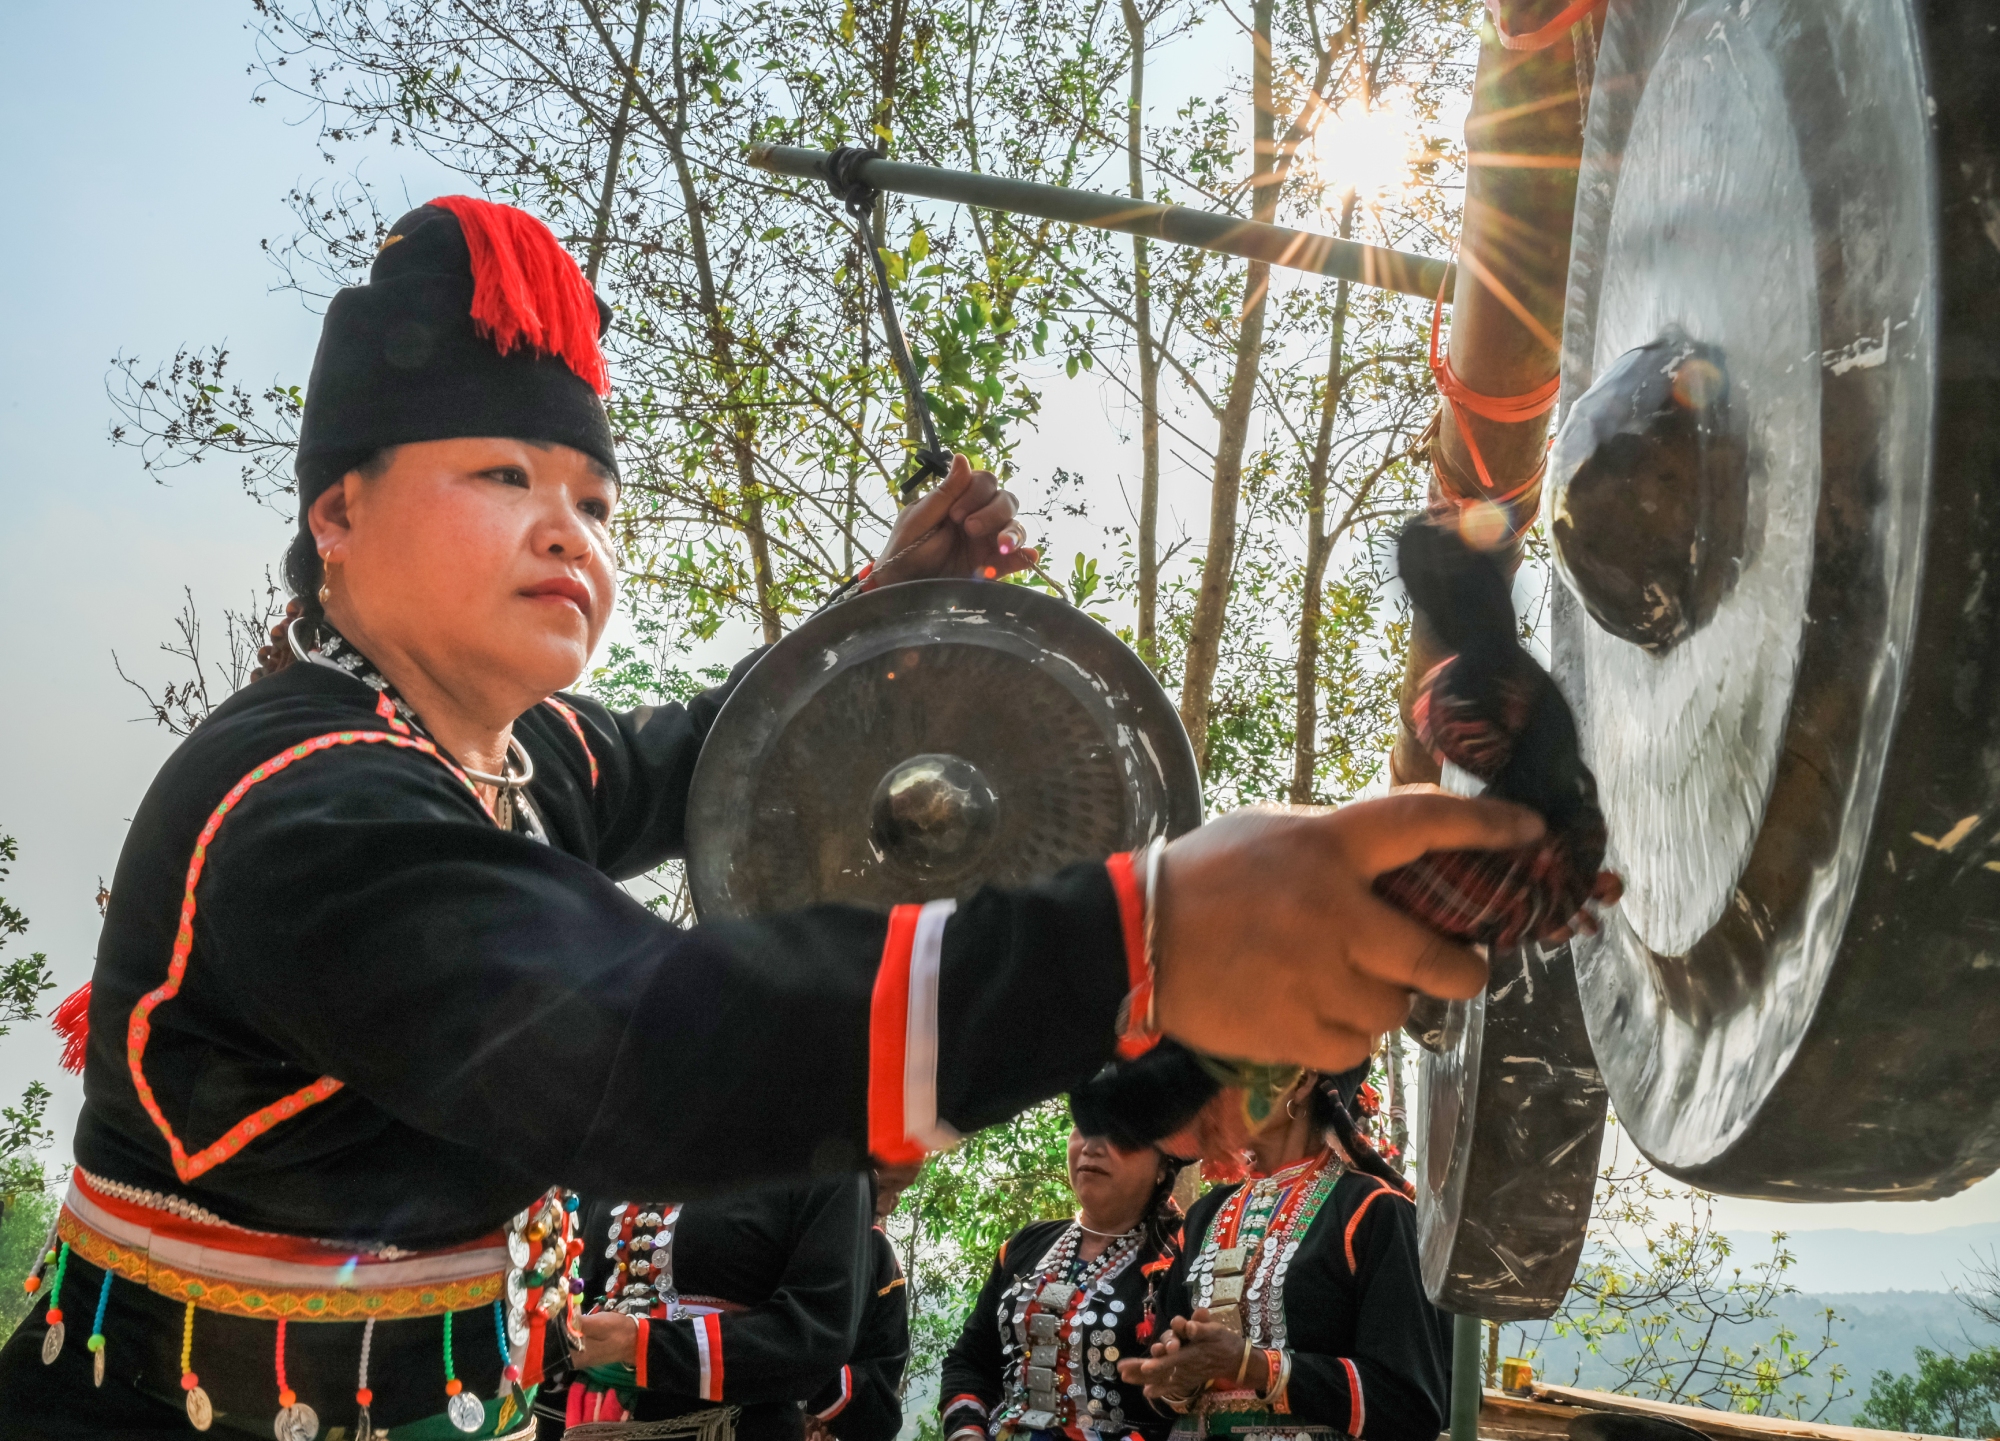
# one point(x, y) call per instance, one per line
point(240, 1272)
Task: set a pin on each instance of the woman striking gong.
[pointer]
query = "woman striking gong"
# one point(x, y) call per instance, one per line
point(368, 988)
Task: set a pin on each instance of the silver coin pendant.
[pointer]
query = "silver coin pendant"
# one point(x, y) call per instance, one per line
point(52, 1344)
point(97, 1367)
point(467, 1412)
point(297, 1422)
point(201, 1412)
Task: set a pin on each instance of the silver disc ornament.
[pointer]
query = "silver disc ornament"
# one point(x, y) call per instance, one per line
point(296, 1422)
point(924, 739)
point(200, 1410)
point(52, 1343)
point(1772, 504)
point(466, 1411)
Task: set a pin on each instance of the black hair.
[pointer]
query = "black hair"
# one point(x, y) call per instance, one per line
point(1333, 1110)
point(1162, 1218)
point(301, 569)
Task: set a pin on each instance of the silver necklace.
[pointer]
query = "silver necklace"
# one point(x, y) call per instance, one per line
point(1107, 1235)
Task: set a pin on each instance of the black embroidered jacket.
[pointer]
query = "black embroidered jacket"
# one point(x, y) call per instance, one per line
point(477, 1015)
point(1370, 1355)
point(988, 1379)
point(774, 1277)
point(864, 1400)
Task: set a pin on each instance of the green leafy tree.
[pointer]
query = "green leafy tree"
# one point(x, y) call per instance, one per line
point(1662, 1296)
point(24, 1132)
point(24, 980)
point(1949, 1396)
point(23, 1230)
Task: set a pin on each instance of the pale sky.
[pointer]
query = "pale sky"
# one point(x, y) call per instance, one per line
point(142, 180)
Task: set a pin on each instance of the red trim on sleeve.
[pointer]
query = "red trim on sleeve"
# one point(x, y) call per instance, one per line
point(1355, 1220)
point(846, 1395)
point(1134, 1039)
point(639, 1355)
point(708, 1344)
point(888, 1035)
point(1357, 1414)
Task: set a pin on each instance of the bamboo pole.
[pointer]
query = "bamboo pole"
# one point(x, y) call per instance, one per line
point(1419, 275)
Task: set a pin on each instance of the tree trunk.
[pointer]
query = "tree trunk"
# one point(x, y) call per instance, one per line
point(1225, 489)
point(600, 230)
point(742, 436)
point(1149, 362)
point(1319, 545)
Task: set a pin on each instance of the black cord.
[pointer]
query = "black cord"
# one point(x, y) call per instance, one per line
point(859, 199)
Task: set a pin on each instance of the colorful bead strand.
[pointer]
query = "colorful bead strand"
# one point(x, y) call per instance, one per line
point(364, 1427)
point(201, 1414)
point(511, 1398)
point(465, 1410)
point(95, 1345)
point(296, 1421)
point(52, 1341)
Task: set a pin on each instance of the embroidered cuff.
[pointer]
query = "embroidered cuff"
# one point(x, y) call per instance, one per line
point(708, 1355)
point(903, 1123)
point(846, 1394)
point(1135, 1033)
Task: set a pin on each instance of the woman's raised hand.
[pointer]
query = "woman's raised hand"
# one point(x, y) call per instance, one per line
point(975, 532)
point(1270, 944)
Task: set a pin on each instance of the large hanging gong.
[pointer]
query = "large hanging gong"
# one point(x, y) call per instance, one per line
point(1781, 633)
point(924, 739)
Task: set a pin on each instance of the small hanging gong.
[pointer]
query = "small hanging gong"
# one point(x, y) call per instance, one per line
point(925, 739)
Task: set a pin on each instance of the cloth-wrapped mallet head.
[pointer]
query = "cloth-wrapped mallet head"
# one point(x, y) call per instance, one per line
point(474, 322)
point(1492, 710)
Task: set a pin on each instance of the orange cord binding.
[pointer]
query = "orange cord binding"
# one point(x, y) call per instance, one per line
point(1543, 38)
point(1505, 409)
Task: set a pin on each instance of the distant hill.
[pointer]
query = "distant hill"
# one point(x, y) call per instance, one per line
point(1877, 1331)
point(1847, 1262)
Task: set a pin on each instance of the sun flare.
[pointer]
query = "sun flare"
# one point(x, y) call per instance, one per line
point(1366, 152)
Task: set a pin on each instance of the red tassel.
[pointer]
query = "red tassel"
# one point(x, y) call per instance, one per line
point(527, 289)
point(72, 1022)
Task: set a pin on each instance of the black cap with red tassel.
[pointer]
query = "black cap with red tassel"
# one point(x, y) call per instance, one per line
point(474, 322)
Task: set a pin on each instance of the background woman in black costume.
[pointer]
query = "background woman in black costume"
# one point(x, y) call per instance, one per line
point(1067, 1300)
point(747, 1301)
point(368, 986)
point(863, 1400)
point(1297, 1303)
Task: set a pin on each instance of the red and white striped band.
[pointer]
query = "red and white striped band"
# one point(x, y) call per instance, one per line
point(903, 1121)
point(846, 1395)
point(1134, 1038)
point(642, 1342)
point(708, 1354)
point(1357, 1413)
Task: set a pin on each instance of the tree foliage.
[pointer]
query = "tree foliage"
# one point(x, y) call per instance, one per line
point(24, 980)
point(1663, 1297)
point(1948, 1396)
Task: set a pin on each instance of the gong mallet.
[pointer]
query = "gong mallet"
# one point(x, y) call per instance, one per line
point(1420, 275)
